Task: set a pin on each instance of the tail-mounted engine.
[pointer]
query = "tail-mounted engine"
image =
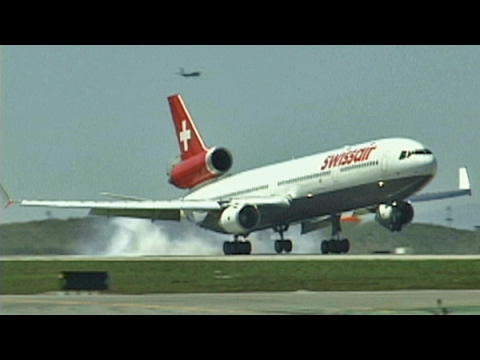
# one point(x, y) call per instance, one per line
point(394, 216)
point(239, 219)
point(199, 168)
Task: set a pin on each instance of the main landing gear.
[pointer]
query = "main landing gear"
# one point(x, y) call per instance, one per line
point(237, 247)
point(282, 244)
point(335, 245)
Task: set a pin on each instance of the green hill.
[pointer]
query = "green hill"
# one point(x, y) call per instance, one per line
point(421, 238)
point(49, 237)
point(73, 236)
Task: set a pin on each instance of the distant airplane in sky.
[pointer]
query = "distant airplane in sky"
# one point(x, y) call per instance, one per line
point(380, 176)
point(189, 74)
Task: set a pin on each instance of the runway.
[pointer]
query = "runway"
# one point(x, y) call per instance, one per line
point(259, 303)
point(418, 302)
point(266, 257)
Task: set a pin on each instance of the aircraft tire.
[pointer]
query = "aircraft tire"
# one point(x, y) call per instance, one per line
point(335, 246)
point(227, 248)
point(324, 247)
point(246, 248)
point(287, 246)
point(237, 248)
point(283, 245)
point(278, 246)
point(344, 245)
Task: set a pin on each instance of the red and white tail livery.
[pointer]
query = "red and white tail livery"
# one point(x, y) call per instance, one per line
point(198, 164)
point(380, 176)
point(189, 140)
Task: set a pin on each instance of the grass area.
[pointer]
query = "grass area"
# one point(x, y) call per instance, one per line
point(139, 277)
point(94, 234)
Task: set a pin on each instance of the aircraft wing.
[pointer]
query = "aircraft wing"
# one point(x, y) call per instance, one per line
point(149, 209)
point(463, 189)
point(153, 209)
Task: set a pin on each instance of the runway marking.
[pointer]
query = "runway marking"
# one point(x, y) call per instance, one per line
point(125, 305)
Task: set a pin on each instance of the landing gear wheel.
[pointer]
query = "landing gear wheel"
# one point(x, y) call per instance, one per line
point(237, 247)
point(278, 246)
point(324, 247)
point(283, 245)
point(335, 246)
point(344, 246)
point(227, 248)
point(287, 246)
point(246, 248)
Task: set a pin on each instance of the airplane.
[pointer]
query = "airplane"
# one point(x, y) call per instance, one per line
point(189, 74)
point(381, 176)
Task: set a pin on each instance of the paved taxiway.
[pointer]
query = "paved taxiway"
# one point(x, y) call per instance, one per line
point(423, 302)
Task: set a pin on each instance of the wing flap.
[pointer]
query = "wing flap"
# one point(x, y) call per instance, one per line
point(312, 225)
point(153, 214)
point(275, 201)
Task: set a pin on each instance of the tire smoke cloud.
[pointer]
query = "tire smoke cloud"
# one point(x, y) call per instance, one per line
point(139, 237)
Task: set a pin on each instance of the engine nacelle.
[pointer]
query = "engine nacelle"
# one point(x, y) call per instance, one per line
point(394, 216)
point(239, 219)
point(200, 168)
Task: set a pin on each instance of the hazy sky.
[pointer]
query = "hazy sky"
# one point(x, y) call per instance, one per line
point(79, 120)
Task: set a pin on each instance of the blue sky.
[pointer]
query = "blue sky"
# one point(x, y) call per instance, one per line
point(79, 120)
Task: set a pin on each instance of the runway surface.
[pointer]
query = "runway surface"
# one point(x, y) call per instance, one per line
point(283, 257)
point(418, 302)
point(300, 302)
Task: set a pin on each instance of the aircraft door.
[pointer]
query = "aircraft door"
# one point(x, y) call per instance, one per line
point(385, 160)
point(335, 175)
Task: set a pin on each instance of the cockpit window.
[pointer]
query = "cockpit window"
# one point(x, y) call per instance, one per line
point(406, 154)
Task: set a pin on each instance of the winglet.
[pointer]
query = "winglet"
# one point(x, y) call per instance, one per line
point(5, 196)
point(463, 180)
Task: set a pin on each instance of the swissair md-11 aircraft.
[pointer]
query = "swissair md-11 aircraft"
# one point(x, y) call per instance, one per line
point(380, 176)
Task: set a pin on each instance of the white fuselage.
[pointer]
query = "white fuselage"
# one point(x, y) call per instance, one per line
point(343, 179)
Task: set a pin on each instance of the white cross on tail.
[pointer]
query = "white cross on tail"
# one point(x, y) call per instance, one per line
point(185, 135)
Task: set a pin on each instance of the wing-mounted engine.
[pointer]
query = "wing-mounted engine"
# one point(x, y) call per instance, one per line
point(199, 168)
point(239, 219)
point(394, 216)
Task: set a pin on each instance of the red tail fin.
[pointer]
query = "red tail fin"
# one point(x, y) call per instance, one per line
point(189, 139)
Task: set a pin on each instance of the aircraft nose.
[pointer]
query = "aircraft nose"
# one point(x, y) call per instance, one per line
point(431, 164)
point(427, 164)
